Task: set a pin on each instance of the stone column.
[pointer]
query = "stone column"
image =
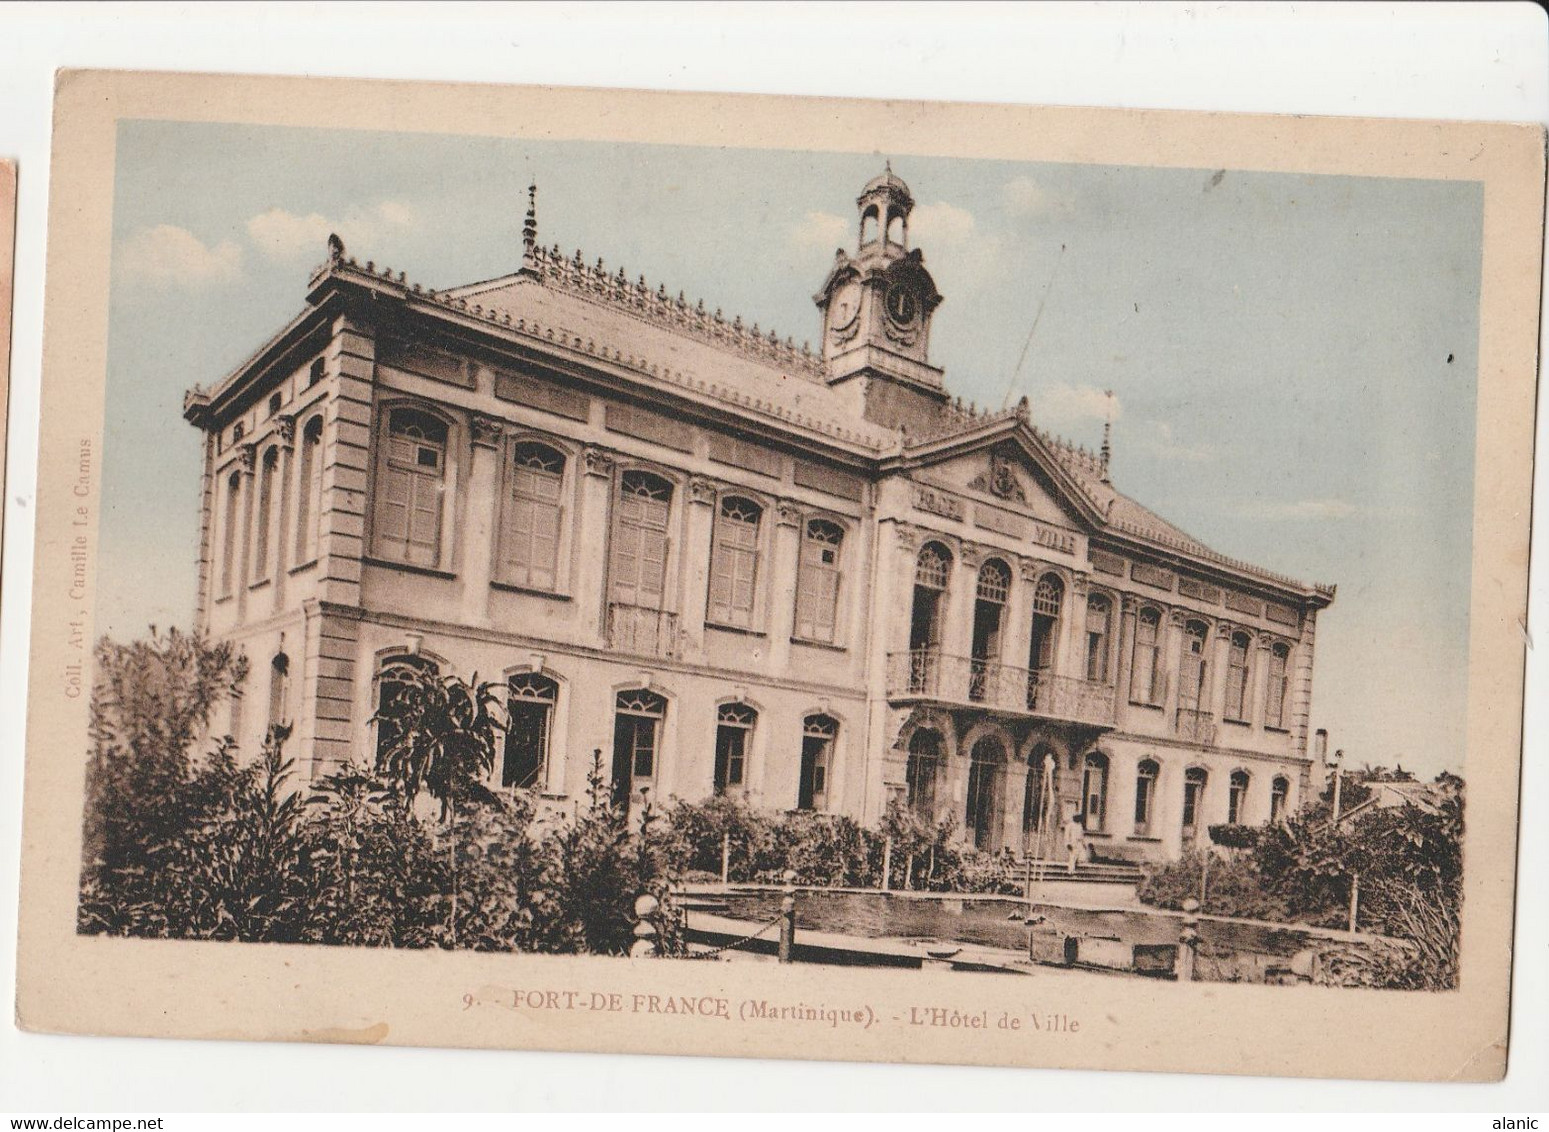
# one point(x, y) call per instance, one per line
point(243, 574)
point(1129, 606)
point(1260, 675)
point(1072, 662)
point(784, 566)
point(958, 620)
point(1220, 649)
point(283, 538)
point(1300, 670)
point(1016, 635)
point(1172, 661)
point(698, 531)
point(594, 515)
point(481, 502)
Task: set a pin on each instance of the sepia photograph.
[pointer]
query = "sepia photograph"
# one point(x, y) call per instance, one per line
point(747, 569)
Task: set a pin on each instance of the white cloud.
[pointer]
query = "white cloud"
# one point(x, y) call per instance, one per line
point(821, 230)
point(1023, 196)
point(1299, 509)
point(941, 225)
point(1157, 438)
point(1065, 406)
point(166, 255)
point(279, 234)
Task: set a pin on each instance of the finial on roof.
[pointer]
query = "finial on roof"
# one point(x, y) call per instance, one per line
point(530, 225)
point(1107, 451)
point(335, 246)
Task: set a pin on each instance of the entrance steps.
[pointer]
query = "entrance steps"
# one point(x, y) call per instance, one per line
point(1087, 871)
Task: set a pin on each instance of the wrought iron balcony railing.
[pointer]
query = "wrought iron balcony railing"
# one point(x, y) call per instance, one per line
point(643, 631)
point(927, 674)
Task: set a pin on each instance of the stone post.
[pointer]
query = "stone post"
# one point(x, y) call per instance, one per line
point(788, 918)
point(1188, 941)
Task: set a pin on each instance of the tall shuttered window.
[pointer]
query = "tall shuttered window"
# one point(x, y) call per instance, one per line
point(640, 541)
point(1236, 706)
point(734, 562)
point(411, 484)
point(534, 514)
point(309, 492)
point(1146, 673)
point(1275, 693)
point(818, 582)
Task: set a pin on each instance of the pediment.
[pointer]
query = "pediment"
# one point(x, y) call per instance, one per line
point(1011, 478)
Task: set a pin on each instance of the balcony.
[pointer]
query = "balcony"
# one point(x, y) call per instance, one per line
point(1195, 726)
point(925, 674)
point(642, 631)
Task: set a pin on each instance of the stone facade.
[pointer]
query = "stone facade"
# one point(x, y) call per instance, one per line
point(723, 562)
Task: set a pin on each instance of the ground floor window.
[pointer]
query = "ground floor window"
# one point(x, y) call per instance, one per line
point(984, 766)
point(531, 709)
point(924, 766)
point(400, 690)
point(1094, 793)
point(1145, 795)
point(818, 733)
point(733, 736)
point(1237, 797)
point(1279, 791)
point(637, 723)
point(1193, 801)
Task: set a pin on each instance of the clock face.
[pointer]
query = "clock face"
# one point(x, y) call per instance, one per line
point(846, 305)
point(901, 305)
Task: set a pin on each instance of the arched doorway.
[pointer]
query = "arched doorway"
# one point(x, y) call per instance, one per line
point(983, 818)
point(922, 771)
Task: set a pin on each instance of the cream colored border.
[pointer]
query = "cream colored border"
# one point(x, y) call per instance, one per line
point(7, 291)
point(94, 985)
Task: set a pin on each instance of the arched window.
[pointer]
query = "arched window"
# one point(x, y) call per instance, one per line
point(279, 689)
point(263, 518)
point(534, 512)
point(984, 780)
point(1275, 692)
point(640, 542)
point(931, 571)
point(398, 698)
point(1099, 615)
point(1237, 797)
point(1279, 794)
point(1048, 599)
point(410, 485)
point(1237, 683)
point(734, 725)
point(1191, 670)
point(734, 562)
point(989, 617)
point(309, 490)
point(229, 544)
point(895, 228)
point(637, 723)
point(530, 700)
point(1145, 683)
point(1146, 774)
point(1094, 793)
point(819, 580)
point(923, 768)
point(1194, 781)
point(819, 733)
point(869, 225)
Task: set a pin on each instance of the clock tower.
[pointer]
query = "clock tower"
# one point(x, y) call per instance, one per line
point(877, 307)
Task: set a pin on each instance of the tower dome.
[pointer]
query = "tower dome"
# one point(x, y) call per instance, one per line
point(885, 204)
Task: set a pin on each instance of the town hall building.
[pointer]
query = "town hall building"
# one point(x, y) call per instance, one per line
point(809, 578)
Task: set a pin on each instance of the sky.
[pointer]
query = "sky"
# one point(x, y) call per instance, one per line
point(1292, 357)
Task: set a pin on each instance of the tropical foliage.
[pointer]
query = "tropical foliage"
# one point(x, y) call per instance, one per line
point(1402, 865)
point(196, 844)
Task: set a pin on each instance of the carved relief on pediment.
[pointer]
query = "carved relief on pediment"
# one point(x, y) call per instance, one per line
point(1000, 479)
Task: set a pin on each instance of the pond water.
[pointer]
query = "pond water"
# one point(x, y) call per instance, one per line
point(989, 923)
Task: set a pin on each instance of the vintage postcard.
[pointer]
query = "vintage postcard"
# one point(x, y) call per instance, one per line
point(715, 574)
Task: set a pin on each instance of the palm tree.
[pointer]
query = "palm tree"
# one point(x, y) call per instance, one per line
point(438, 733)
